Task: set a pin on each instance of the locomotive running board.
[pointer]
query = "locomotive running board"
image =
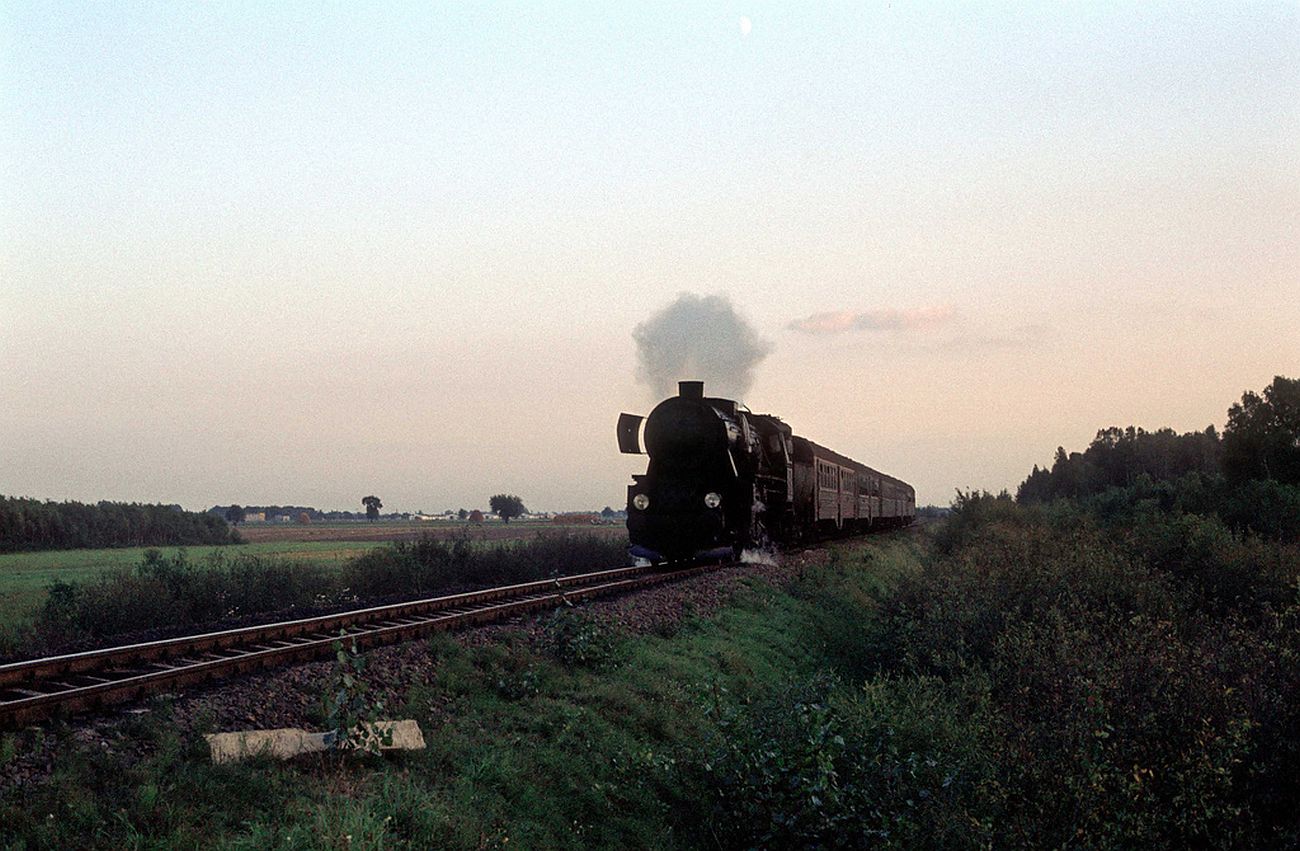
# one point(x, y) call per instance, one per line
point(629, 434)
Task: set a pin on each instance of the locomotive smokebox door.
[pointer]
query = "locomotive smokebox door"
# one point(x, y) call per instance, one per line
point(629, 434)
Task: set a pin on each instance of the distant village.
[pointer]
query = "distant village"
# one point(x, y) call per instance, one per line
point(269, 514)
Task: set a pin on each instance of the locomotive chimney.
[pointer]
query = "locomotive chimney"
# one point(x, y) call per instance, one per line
point(690, 389)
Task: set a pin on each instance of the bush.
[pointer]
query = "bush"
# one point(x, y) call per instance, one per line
point(971, 510)
point(1223, 571)
point(1141, 673)
point(173, 593)
point(417, 568)
point(431, 565)
point(901, 762)
point(1268, 508)
point(577, 640)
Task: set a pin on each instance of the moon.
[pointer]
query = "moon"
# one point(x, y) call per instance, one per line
point(745, 26)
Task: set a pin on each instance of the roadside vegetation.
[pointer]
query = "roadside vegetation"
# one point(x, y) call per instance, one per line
point(25, 577)
point(173, 592)
point(1031, 677)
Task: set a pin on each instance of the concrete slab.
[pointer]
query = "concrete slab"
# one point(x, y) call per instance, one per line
point(288, 742)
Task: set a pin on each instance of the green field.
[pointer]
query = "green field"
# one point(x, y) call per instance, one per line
point(24, 577)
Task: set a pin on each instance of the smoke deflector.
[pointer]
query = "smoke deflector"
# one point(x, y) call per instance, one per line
point(629, 434)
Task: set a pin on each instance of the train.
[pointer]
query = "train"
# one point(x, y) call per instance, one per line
point(722, 479)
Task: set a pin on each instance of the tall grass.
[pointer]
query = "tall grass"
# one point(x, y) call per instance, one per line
point(176, 593)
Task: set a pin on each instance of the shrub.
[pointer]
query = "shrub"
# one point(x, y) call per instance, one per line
point(173, 592)
point(431, 565)
point(577, 640)
point(1141, 673)
point(971, 510)
point(1268, 508)
point(1223, 571)
point(898, 763)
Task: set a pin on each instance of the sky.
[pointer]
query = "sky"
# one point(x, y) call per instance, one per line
point(301, 253)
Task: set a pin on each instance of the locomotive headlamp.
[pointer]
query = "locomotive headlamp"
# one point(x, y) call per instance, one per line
point(641, 502)
point(712, 500)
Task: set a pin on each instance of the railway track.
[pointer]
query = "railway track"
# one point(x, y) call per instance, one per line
point(38, 688)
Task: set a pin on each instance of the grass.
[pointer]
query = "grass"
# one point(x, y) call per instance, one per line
point(24, 577)
point(584, 737)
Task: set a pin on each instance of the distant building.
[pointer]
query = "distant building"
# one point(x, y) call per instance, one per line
point(255, 517)
point(576, 518)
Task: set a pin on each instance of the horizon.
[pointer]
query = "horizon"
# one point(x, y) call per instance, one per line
point(290, 255)
point(619, 507)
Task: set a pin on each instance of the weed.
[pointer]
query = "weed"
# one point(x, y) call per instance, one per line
point(350, 711)
point(576, 639)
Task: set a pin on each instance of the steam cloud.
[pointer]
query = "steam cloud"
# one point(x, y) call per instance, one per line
point(881, 319)
point(698, 337)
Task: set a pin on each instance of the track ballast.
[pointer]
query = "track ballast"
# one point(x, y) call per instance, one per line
point(35, 689)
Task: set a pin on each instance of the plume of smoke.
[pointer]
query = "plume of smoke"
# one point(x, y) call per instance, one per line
point(698, 337)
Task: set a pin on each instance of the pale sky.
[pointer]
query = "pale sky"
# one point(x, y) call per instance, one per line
point(297, 254)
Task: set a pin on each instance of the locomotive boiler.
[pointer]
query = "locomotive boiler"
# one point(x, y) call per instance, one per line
point(722, 479)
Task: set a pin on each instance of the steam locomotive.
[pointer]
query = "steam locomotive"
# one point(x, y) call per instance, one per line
point(722, 479)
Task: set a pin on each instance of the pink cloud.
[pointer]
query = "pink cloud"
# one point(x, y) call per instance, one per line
point(879, 319)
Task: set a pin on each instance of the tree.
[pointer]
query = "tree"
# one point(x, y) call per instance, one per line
point(1262, 438)
point(607, 512)
point(506, 506)
point(235, 515)
point(462, 514)
point(372, 504)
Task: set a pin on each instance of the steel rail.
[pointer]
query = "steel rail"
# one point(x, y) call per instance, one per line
point(35, 689)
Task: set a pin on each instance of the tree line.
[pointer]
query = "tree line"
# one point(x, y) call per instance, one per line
point(1250, 475)
point(30, 524)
